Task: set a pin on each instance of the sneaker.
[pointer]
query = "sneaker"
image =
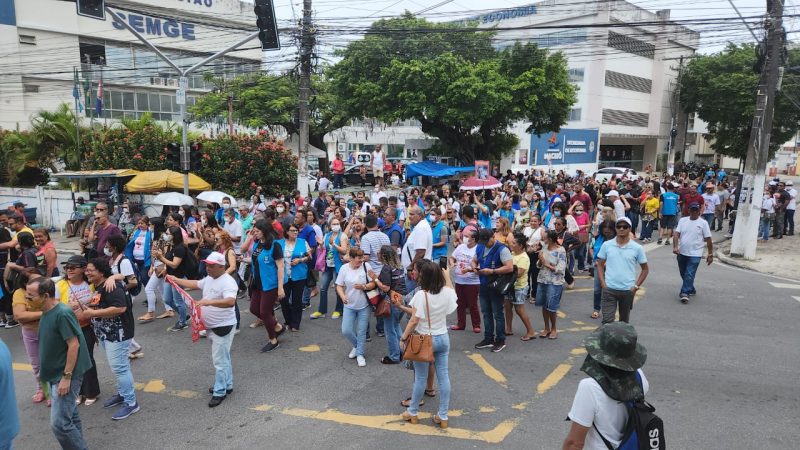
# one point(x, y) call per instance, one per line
point(2, 323)
point(125, 411)
point(203, 333)
point(215, 401)
point(237, 331)
point(381, 334)
point(336, 315)
point(114, 401)
point(667, 242)
point(178, 327)
point(659, 241)
point(352, 354)
point(227, 391)
point(270, 347)
point(12, 324)
point(498, 347)
point(484, 344)
point(136, 354)
point(684, 299)
point(305, 307)
point(316, 315)
point(361, 361)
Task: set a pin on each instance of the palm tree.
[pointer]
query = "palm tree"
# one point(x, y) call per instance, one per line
point(56, 138)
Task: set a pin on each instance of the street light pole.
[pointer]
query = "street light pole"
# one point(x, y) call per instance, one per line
point(306, 49)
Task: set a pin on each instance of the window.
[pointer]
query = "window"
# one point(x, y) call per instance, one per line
point(560, 38)
point(27, 39)
point(166, 103)
point(96, 53)
point(574, 115)
point(31, 88)
point(625, 118)
point(630, 45)
point(576, 75)
point(142, 103)
point(128, 101)
point(628, 82)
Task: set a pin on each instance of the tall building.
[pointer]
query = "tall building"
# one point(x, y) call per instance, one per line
point(43, 41)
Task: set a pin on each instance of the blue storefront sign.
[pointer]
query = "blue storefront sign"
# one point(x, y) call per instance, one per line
point(155, 26)
point(569, 146)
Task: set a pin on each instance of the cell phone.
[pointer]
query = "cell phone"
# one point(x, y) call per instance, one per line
point(443, 262)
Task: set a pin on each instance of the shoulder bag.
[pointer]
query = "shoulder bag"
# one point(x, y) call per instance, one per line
point(420, 346)
point(373, 295)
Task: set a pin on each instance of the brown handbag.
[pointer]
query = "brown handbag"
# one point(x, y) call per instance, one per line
point(383, 308)
point(420, 346)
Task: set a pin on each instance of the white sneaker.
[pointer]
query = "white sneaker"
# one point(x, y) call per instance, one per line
point(361, 361)
point(202, 333)
point(352, 354)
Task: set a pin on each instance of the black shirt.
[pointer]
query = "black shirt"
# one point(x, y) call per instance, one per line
point(5, 236)
point(113, 329)
point(177, 251)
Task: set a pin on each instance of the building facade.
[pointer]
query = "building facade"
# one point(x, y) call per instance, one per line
point(44, 41)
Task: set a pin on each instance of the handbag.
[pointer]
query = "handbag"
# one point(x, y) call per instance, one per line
point(420, 346)
point(500, 283)
point(383, 308)
point(373, 295)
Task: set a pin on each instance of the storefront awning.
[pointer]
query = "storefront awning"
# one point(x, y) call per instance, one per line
point(86, 174)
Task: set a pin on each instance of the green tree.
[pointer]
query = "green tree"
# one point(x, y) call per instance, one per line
point(451, 79)
point(721, 89)
point(266, 100)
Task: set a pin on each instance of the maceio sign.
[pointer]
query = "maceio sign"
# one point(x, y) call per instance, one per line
point(568, 146)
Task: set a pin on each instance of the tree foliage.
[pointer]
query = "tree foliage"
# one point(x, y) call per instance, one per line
point(450, 78)
point(266, 100)
point(721, 89)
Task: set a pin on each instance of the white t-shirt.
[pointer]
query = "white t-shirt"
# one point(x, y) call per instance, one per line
point(235, 229)
point(440, 306)
point(348, 278)
point(463, 255)
point(377, 160)
point(125, 268)
point(138, 246)
point(218, 289)
point(792, 198)
point(592, 406)
point(619, 208)
point(375, 197)
point(768, 204)
point(710, 202)
point(421, 237)
point(324, 184)
point(693, 235)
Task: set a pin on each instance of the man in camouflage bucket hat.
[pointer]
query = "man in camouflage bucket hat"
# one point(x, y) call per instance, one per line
point(613, 359)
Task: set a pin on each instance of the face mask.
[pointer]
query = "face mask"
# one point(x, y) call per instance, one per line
point(125, 210)
point(107, 252)
point(204, 222)
point(166, 237)
point(432, 218)
point(557, 213)
point(280, 209)
point(183, 214)
point(226, 206)
point(336, 228)
point(523, 210)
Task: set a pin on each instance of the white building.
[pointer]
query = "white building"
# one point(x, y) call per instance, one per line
point(43, 41)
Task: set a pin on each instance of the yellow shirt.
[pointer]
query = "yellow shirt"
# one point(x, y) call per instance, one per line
point(522, 262)
point(651, 206)
point(30, 305)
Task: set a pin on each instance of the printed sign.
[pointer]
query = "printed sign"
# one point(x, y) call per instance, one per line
point(569, 146)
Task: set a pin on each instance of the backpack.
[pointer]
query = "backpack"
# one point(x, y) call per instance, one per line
point(643, 431)
point(136, 290)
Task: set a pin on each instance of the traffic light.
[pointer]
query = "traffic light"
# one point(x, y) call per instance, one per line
point(95, 9)
point(265, 13)
point(195, 156)
point(173, 151)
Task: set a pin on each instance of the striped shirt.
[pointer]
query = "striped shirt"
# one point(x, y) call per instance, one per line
point(371, 244)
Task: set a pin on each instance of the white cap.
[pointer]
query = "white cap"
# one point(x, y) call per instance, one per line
point(612, 193)
point(215, 258)
point(790, 183)
point(624, 219)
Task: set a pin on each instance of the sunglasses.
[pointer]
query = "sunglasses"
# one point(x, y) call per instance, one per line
point(71, 267)
point(100, 209)
point(623, 227)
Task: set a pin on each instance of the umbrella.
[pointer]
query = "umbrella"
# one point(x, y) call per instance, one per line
point(476, 184)
point(216, 197)
point(172, 199)
point(162, 180)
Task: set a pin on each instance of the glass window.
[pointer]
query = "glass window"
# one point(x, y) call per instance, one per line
point(166, 103)
point(155, 104)
point(142, 103)
point(128, 101)
point(175, 107)
point(116, 100)
point(116, 114)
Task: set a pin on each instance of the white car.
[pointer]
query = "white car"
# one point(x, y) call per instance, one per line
point(604, 174)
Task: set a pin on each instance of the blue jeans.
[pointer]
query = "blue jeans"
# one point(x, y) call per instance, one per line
point(410, 284)
point(579, 255)
point(765, 224)
point(441, 351)
point(117, 355)
point(221, 357)
point(710, 219)
point(493, 315)
point(687, 265)
point(647, 229)
point(64, 419)
point(598, 290)
point(356, 318)
point(391, 326)
point(175, 301)
point(634, 216)
point(328, 277)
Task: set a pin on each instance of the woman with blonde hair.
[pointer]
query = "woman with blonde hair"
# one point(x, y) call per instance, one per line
point(502, 230)
point(391, 280)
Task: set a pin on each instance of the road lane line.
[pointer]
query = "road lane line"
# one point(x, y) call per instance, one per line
point(488, 369)
point(309, 348)
point(576, 290)
point(552, 379)
point(796, 297)
point(785, 285)
point(22, 367)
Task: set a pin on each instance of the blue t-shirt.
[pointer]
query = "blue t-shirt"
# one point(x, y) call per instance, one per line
point(669, 202)
point(621, 262)
point(9, 426)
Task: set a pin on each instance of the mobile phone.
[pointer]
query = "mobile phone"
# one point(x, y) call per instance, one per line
point(443, 262)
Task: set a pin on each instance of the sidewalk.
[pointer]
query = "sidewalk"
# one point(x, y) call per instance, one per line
point(780, 257)
point(66, 247)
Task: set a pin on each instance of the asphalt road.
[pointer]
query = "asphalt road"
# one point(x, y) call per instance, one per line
point(722, 372)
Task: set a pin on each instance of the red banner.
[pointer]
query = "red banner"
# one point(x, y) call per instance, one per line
point(196, 317)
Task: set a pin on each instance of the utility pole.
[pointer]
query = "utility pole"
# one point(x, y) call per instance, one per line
point(307, 41)
point(230, 115)
point(680, 124)
point(752, 189)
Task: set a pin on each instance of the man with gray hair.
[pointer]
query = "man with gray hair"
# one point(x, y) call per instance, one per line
point(419, 244)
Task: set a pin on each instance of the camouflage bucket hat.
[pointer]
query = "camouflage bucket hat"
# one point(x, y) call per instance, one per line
point(615, 345)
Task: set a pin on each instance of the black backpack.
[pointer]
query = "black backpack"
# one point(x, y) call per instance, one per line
point(643, 431)
point(138, 288)
point(191, 266)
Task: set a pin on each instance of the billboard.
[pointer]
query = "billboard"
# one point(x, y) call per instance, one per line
point(568, 146)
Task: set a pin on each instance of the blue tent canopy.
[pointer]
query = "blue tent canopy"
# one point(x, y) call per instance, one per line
point(434, 169)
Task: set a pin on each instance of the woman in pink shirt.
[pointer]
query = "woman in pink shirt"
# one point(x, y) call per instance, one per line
point(584, 222)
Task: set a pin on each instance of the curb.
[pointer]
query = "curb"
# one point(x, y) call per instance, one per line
point(735, 262)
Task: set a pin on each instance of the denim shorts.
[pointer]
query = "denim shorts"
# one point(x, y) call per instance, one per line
point(549, 296)
point(519, 296)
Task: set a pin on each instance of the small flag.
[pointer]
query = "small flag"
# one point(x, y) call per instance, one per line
point(98, 107)
point(196, 316)
point(76, 92)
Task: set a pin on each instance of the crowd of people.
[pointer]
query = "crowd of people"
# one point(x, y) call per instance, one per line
point(426, 251)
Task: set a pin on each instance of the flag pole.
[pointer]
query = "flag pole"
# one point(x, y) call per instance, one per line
point(76, 94)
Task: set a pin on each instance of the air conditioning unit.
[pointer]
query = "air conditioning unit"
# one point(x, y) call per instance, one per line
point(341, 147)
point(156, 81)
point(172, 82)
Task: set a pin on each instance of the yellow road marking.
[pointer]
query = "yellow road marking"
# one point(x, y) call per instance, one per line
point(520, 406)
point(262, 408)
point(487, 409)
point(309, 348)
point(574, 329)
point(22, 367)
point(158, 387)
point(155, 387)
point(567, 291)
point(488, 369)
point(395, 423)
point(561, 315)
point(553, 378)
point(577, 351)
point(578, 322)
point(581, 277)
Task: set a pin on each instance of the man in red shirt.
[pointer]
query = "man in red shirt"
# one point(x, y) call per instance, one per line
point(689, 197)
point(337, 167)
point(583, 197)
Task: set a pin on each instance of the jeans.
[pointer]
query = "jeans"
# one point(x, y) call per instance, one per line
point(141, 271)
point(261, 303)
point(634, 216)
point(613, 298)
point(328, 277)
point(441, 352)
point(356, 318)
point(710, 219)
point(338, 181)
point(579, 255)
point(174, 300)
point(221, 357)
point(687, 266)
point(789, 221)
point(64, 419)
point(117, 355)
point(598, 290)
point(292, 303)
point(647, 229)
point(410, 284)
point(777, 228)
point(764, 225)
point(391, 326)
point(493, 315)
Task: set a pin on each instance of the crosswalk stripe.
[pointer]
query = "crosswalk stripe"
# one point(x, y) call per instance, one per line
point(785, 285)
point(796, 297)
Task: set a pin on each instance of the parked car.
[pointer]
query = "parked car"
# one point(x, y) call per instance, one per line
point(605, 174)
point(352, 177)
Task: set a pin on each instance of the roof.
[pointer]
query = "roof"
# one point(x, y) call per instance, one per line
point(109, 173)
point(434, 169)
